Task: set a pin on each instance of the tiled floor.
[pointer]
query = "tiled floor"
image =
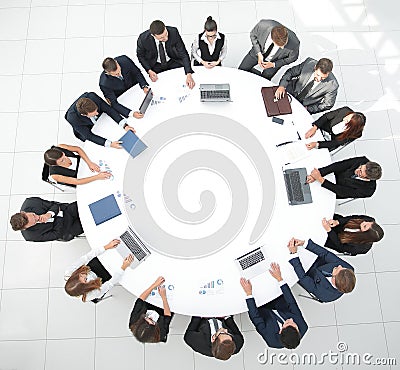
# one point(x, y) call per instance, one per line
point(52, 51)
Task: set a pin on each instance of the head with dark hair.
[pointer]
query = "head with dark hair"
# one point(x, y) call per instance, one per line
point(77, 285)
point(354, 126)
point(157, 27)
point(224, 348)
point(371, 232)
point(109, 64)
point(86, 107)
point(52, 155)
point(279, 35)
point(19, 221)
point(290, 337)
point(373, 170)
point(344, 279)
point(210, 25)
point(325, 65)
point(144, 331)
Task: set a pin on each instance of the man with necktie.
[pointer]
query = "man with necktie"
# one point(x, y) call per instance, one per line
point(328, 278)
point(280, 322)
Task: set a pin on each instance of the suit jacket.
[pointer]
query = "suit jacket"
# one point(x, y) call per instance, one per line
point(266, 322)
point(314, 281)
point(198, 335)
point(346, 186)
point(320, 98)
point(327, 121)
point(112, 87)
point(333, 241)
point(259, 35)
point(83, 125)
point(147, 52)
point(48, 231)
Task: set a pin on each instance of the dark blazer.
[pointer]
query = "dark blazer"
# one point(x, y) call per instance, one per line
point(44, 232)
point(83, 125)
point(333, 241)
point(266, 322)
point(198, 335)
point(314, 281)
point(322, 97)
point(175, 48)
point(327, 121)
point(163, 321)
point(112, 87)
point(346, 186)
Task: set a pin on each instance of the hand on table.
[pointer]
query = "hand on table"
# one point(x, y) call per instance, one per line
point(246, 285)
point(292, 246)
point(280, 92)
point(317, 175)
point(311, 145)
point(159, 281)
point(116, 144)
point(333, 222)
point(112, 244)
point(153, 75)
point(189, 81)
point(311, 132)
point(104, 175)
point(326, 225)
point(93, 167)
point(127, 262)
point(162, 291)
point(137, 115)
point(127, 128)
point(275, 271)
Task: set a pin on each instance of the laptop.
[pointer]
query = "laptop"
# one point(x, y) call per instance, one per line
point(252, 263)
point(298, 191)
point(146, 101)
point(132, 144)
point(273, 106)
point(104, 209)
point(132, 244)
point(215, 92)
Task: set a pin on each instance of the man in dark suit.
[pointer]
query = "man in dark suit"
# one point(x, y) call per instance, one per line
point(312, 83)
point(273, 47)
point(328, 277)
point(355, 177)
point(83, 114)
point(161, 48)
point(42, 220)
point(280, 322)
point(119, 75)
point(214, 337)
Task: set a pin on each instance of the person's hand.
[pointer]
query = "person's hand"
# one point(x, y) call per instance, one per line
point(267, 65)
point(116, 144)
point(44, 218)
point(309, 179)
point(189, 81)
point(159, 281)
point(112, 244)
point(146, 90)
point(280, 92)
point(127, 262)
point(215, 63)
point(246, 285)
point(326, 225)
point(260, 60)
point(137, 115)
point(298, 242)
point(275, 271)
point(153, 75)
point(333, 223)
point(311, 132)
point(317, 175)
point(93, 167)
point(104, 175)
point(312, 145)
point(162, 291)
point(206, 64)
point(292, 246)
point(127, 128)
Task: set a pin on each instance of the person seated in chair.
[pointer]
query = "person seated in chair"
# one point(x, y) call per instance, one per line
point(88, 278)
point(43, 220)
point(328, 278)
point(148, 323)
point(63, 162)
point(280, 322)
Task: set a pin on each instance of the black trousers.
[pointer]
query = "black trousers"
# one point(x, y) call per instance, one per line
point(171, 64)
point(72, 224)
point(249, 62)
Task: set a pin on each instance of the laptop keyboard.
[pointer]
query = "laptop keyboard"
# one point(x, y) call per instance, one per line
point(251, 260)
point(294, 186)
point(214, 94)
point(133, 245)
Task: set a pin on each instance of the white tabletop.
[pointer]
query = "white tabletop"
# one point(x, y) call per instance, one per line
point(233, 153)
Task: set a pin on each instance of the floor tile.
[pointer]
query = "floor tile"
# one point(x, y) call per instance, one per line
point(15, 4)
point(83, 21)
point(237, 16)
point(307, 15)
point(179, 324)
point(394, 116)
point(117, 45)
point(23, 355)
point(14, 23)
point(48, 2)
point(387, 47)
point(362, 263)
point(202, 362)
point(15, 51)
point(169, 13)
point(387, 295)
point(8, 131)
point(194, 15)
point(382, 15)
point(355, 48)
point(387, 247)
point(388, 74)
point(353, 17)
point(10, 97)
point(47, 21)
point(279, 10)
point(235, 55)
point(2, 260)
point(6, 161)
point(123, 20)
point(392, 339)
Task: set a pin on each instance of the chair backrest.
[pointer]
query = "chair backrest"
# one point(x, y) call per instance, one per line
point(45, 178)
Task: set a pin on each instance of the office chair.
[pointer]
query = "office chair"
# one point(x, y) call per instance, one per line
point(347, 201)
point(45, 178)
point(310, 296)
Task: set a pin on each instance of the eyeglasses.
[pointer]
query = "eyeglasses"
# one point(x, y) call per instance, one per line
point(223, 332)
point(212, 36)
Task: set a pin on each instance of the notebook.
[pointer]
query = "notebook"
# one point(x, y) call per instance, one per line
point(132, 144)
point(104, 209)
point(273, 106)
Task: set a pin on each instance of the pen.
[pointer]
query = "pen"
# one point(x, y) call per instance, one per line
point(298, 135)
point(286, 142)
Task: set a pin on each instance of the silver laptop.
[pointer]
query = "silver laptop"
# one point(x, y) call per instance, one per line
point(131, 244)
point(252, 263)
point(215, 92)
point(298, 191)
point(146, 101)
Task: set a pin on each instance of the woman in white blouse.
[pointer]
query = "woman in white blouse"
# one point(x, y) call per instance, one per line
point(88, 278)
point(209, 47)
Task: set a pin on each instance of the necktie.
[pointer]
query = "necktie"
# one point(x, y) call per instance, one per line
point(326, 273)
point(120, 77)
point(305, 91)
point(280, 319)
point(215, 322)
point(268, 51)
point(161, 51)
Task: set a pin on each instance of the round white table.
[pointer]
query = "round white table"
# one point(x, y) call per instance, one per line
point(208, 189)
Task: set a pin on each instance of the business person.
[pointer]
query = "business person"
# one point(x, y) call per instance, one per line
point(119, 75)
point(312, 83)
point(214, 337)
point(83, 114)
point(160, 49)
point(328, 278)
point(342, 124)
point(63, 161)
point(274, 46)
point(355, 177)
point(280, 322)
point(88, 278)
point(209, 48)
point(43, 220)
point(148, 323)
point(352, 234)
